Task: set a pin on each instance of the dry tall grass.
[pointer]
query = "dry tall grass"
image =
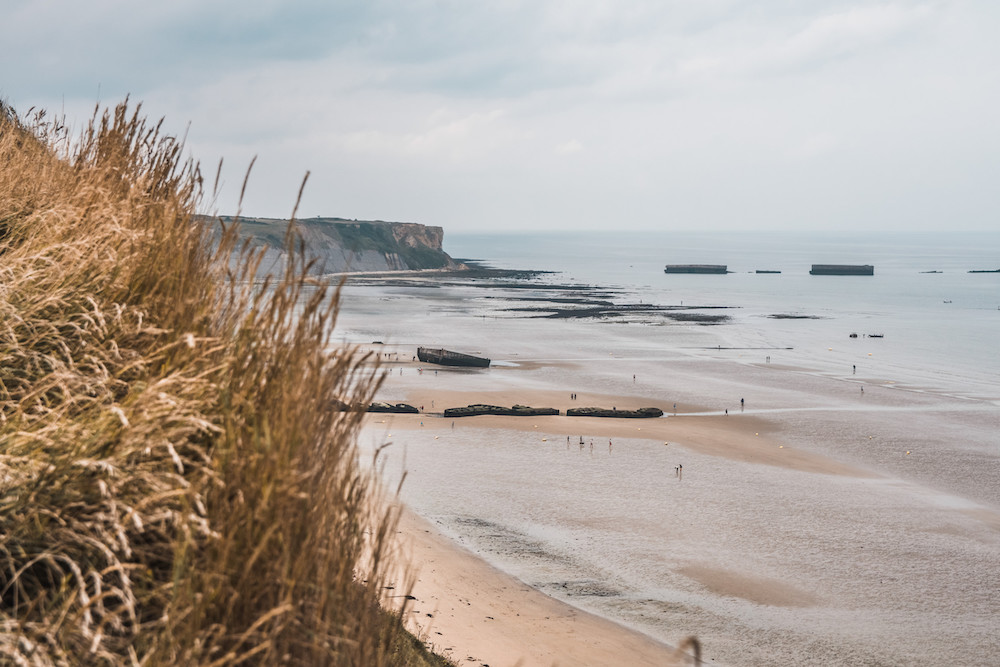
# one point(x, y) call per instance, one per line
point(174, 488)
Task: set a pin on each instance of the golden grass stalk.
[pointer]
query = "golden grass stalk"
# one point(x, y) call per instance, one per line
point(174, 487)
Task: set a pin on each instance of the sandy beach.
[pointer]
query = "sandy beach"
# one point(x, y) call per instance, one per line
point(473, 613)
point(780, 529)
point(782, 511)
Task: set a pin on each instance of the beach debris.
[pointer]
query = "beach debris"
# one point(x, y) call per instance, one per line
point(396, 408)
point(641, 413)
point(514, 411)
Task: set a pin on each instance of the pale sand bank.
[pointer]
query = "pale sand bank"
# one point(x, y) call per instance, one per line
point(736, 436)
point(475, 614)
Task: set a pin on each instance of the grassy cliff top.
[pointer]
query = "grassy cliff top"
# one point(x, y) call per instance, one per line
point(174, 486)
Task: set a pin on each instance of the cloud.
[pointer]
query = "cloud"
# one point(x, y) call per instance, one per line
point(813, 146)
point(446, 136)
point(463, 113)
point(804, 44)
point(569, 147)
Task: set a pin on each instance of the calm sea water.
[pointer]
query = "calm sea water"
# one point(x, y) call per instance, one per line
point(940, 329)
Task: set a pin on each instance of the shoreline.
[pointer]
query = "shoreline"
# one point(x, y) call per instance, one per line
point(473, 613)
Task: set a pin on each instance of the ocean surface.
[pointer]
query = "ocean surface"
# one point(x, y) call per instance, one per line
point(899, 565)
point(941, 330)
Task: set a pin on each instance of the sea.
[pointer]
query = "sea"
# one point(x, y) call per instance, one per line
point(895, 374)
point(942, 323)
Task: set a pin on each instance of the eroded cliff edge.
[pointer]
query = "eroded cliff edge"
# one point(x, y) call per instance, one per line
point(341, 245)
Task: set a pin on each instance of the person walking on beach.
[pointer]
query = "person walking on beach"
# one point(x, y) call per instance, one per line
point(609, 445)
point(680, 471)
point(854, 369)
point(741, 405)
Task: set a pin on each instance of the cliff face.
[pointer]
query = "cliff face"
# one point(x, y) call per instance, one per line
point(340, 245)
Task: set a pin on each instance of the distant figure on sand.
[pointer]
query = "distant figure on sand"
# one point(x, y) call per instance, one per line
point(609, 446)
point(741, 405)
point(854, 369)
point(680, 471)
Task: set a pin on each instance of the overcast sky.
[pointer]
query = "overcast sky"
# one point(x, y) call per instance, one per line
point(546, 114)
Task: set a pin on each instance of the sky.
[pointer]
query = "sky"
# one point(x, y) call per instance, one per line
point(512, 116)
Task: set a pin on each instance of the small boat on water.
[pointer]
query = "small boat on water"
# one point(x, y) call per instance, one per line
point(445, 357)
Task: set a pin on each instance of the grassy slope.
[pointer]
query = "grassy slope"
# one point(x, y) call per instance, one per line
point(173, 486)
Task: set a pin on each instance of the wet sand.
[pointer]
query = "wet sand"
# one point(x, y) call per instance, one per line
point(750, 570)
point(473, 613)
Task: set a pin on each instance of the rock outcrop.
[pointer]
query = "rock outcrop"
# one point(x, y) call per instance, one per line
point(338, 245)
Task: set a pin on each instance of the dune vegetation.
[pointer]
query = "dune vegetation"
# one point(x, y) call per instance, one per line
point(175, 486)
